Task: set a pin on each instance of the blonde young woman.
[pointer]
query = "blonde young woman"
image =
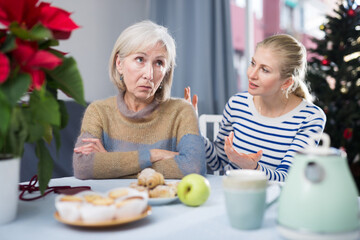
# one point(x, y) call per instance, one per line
point(142, 126)
point(264, 127)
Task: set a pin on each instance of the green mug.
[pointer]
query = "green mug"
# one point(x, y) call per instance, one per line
point(245, 198)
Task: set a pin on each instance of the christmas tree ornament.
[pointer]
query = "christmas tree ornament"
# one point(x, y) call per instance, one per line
point(329, 45)
point(344, 90)
point(347, 134)
point(331, 81)
point(351, 13)
point(325, 62)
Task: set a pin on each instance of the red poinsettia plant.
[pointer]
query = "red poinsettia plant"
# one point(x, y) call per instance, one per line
point(32, 72)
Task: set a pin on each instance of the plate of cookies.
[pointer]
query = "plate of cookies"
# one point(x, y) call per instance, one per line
point(159, 190)
point(93, 209)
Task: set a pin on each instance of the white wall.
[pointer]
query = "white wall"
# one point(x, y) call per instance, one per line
point(101, 23)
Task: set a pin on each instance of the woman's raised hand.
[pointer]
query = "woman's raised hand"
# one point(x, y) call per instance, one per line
point(245, 161)
point(93, 145)
point(194, 101)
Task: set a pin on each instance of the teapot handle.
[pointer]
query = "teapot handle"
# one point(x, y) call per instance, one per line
point(325, 141)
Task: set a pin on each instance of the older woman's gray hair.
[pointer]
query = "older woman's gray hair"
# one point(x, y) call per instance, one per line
point(139, 37)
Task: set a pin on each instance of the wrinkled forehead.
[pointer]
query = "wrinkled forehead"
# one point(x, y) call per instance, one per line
point(159, 47)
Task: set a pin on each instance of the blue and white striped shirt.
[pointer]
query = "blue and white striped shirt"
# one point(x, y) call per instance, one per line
point(279, 138)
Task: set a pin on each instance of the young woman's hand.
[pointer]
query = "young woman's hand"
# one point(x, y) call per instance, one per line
point(93, 145)
point(245, 161)
point(160, 154)
point(194, 101)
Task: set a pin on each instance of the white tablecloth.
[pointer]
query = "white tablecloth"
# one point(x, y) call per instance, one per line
point(35, 219)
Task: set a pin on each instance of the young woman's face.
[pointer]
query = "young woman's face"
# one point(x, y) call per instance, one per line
point(264, 73)
point(143, 72)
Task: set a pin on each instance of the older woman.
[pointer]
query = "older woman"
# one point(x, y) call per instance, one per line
point(142, 126)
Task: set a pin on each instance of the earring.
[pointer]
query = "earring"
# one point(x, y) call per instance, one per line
point(285, 93)
point(121, 77)
point(161, 85)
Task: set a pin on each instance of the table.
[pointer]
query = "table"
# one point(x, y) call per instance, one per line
point(35, 219)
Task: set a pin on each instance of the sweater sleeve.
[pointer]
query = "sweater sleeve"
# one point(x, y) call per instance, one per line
point(191, 158)
point(108, 164)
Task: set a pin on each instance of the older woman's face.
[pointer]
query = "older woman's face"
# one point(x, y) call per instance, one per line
point(143, 72)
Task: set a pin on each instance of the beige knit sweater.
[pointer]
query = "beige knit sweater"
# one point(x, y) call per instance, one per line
point(171, 125)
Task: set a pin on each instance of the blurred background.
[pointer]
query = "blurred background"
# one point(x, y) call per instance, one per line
point(215, 41)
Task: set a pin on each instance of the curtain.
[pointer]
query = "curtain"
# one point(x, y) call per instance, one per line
point(202, 31)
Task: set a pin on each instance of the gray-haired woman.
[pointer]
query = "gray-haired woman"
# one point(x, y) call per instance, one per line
point(142, 126)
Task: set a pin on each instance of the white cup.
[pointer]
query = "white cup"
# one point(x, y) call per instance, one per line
point(245, 198)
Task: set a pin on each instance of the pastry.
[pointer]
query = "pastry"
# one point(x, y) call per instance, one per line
point(68, 207)
point(117, 193)
point(135, 185)
point(91, 197)
point(150, 178)
point(130, 207)
point(98, 210)
point(162, 191)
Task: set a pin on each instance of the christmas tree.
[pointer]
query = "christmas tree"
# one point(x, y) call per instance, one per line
point(334, 77)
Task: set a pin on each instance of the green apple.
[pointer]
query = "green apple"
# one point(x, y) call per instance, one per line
point(193, 190)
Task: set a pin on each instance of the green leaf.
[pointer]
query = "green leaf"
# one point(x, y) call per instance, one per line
point(5, 112)
point(18, 31)
point(44, 108)
point(17, 132)
point(64, 114)
point(9, 44)
point(49, 43)
point(45, 165)
point(48, 136)
point(68, 78)
point(36, 132)
point(39, 32)
point(16, 87)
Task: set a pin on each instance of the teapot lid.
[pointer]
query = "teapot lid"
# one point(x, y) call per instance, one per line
point(323, 149)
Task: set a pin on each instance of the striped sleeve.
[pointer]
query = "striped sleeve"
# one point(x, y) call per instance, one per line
point(215, 154)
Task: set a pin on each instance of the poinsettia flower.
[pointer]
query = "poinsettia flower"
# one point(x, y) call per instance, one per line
point(4, 67)
point(24, 12)
point(57, 20)
point(31, 60)
point(28, 13)
point(38, 79)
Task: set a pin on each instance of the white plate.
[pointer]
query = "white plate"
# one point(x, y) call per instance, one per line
point(161, 201)
point(109, 223)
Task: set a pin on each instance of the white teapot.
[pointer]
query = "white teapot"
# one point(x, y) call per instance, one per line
point(320, 198)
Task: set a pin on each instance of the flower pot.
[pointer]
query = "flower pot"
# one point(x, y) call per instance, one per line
point(9, 180)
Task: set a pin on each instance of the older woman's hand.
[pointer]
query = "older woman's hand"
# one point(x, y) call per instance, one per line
point(187, 96)
point(245, 161)
point(94, 145)
point(160, 154)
